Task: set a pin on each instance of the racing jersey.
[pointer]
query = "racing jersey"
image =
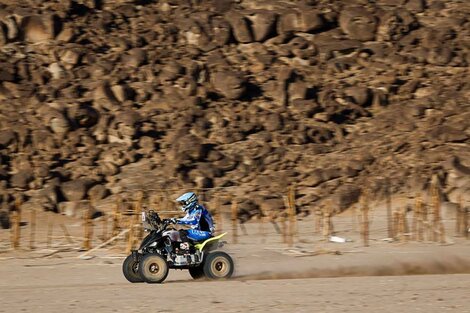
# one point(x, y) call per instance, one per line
point(198, 218)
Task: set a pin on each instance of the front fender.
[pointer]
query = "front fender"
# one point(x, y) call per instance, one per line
point(152, 237)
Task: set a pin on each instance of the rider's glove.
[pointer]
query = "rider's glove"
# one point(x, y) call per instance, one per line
point(173, 220)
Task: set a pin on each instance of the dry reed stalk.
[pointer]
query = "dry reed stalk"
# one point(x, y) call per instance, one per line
point(17, 233)
point(168, 203)
point(389, 211)
point(234, 218)
point(402, 226)
point(219, 215)
point(14, 225)
point(88, 227)
point(67, 234)
point(50, 230)
point(395, 224)
point(317, 216)
point(130, 237)
point(365, 216)
point(137, 214)
point(117, 216)
point(105, 227)
point(289, 227)
point(427, 222)
point(354, 219)
point(418, 222)
point(282, 221)
point(293, 232)
point(359, 219)
point(466, 225)
point(326, 230)
point(460, 220)
point(436, 207)
point(262, 230)
point(32, 233)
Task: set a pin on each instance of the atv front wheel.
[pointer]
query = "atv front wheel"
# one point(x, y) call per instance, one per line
point(130, 269)
point(196, 272)
point(218, 265)
point(153, 268)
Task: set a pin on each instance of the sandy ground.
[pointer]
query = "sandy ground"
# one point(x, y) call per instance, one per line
point(311, 276)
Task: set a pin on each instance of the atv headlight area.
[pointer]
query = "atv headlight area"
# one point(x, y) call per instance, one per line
point(146, 224)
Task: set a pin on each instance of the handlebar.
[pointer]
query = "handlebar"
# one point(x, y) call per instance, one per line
point(153, 219)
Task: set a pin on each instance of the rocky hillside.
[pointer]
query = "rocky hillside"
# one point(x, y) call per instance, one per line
point(106, 97)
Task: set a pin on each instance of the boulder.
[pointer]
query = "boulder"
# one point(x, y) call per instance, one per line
point(240, 28)
point(98, 192)
point(73, 208)
point(135, 57)
point(75, 190)
point(262, 24)
point(7, 138)
point(271, 206)
point(40, 28)
point(395, 24)
point(303, 21)
point(345, 196)
point(229, 84)
point(21, 179)
point(358, 23)
point(4, 220)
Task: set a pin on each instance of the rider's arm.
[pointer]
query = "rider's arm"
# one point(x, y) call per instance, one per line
point(191, 218)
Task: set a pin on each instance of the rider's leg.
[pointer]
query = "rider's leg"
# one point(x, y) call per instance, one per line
point(198, 235)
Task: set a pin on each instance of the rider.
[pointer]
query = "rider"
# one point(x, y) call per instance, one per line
point(197, 217)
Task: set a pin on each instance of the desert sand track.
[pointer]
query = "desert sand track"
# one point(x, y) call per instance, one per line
point(382, 278)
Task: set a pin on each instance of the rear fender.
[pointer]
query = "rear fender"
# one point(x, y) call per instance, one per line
point(210, 243)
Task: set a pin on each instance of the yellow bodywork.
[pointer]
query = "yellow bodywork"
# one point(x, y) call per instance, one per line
point(201, 246)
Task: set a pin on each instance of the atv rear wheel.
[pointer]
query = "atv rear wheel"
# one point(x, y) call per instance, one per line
point(218, 265)
point(196, 272)
point(153, 268)
point(130, 269)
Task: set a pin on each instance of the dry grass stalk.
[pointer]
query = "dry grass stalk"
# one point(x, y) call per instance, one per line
point(317, 216)
point(32, 232)
point(354, 218)
point(219, 215)
point(461, 227)
point(50, 230)
point(418, 222)
point(389, 212)
point(105, 228)
point(88, 227)
point(14, 225)
point(365, 216)
point(282, 221)
point(234, 218)
point(262, 230)
point(402, 225)
point(130, 237)
point(327, 228)
point(292, 214)
point(395, 224)
point(437, 225)
point(117, 216)
point(15, 218)
point(67, 234)
point(466, 224)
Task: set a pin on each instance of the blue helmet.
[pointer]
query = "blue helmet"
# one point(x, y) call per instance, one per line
point(187, 201)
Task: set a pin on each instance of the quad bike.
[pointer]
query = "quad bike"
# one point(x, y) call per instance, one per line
point(162, 250)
